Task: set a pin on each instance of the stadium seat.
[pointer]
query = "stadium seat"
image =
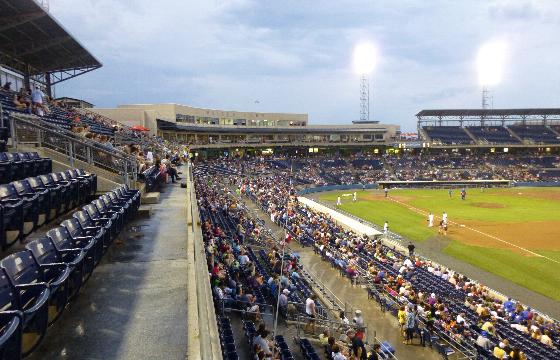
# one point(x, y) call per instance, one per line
point(116, 213)
point(31, 167)
point(29, 205)
point(73, 186)
point(55, 192)
point(83, 186)
point(22, 268)
point(32, 301)
point(65, 192)
point(89, 216)
point(46, 163)
point(93, 177)
point(10, 335)
point(12, 222)
point(111, 200)
point(45, 252)
point(18, 168)
point(81, 236)
point(24, 190)
point(91, 180)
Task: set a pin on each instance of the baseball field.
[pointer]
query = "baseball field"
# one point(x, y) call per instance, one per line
point(511, 232)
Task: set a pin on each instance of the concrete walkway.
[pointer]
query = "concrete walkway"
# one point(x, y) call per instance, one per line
point(384, 325)
point(134, 305)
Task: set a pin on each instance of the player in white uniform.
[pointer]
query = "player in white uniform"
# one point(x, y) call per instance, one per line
point(431, 220)
point(338, 202)
point(386, 228)
point(444, 217)
point(354, 198)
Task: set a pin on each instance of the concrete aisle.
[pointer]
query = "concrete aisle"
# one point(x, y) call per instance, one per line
point(134, 305)
point(384, 324)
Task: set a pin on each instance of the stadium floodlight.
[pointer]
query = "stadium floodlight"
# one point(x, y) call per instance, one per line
point(490, 63)
point(365, 59)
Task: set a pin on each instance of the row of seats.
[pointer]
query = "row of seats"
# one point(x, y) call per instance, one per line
point(27, 204)
point(56, 116)
point(153, 177)
point(36, 284)
point(17, 166)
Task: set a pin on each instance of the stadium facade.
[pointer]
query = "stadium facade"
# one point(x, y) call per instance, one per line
point(208, 128)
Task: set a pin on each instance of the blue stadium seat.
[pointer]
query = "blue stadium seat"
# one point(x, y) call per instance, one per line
point(43, 206)
point(82, 190)
point(116, 214)
point(90, 179)
point(124, 192)
point(32, 301)
point(93, 177)
point(81, 236)
point(92, 246)
point(22, 268)
point(56, 202)
point(18, 169)
point(73, 186)
point(97, 221)
point(10, 335)
point(29, 205)
point(12, 222)
point(32, 167)
point(46, 163)
point(111, 200)
point(45, 252)
point(64, 192)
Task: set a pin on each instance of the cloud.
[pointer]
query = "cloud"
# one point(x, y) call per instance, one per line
point(295, 56)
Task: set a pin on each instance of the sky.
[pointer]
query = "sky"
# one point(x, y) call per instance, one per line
point(296, 55)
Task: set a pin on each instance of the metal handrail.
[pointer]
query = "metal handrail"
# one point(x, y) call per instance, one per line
point(29, 129)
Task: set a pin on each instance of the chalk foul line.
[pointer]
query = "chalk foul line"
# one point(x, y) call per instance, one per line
point(422, 212)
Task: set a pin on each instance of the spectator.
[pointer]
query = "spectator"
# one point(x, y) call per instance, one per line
point(336, 354)
point(375, 355)
point(37, 101)
point(410, 326)
point(358, 348)
point(483, 341)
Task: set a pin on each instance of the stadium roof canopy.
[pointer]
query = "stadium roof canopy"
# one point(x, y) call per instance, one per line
point(234, 129)
point(34, 43)
point(488, 113)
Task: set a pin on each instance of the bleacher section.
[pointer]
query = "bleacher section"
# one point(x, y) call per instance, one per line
point(28, 204)
point(37, 282)
point(381, 266)
point(492, 134)
point(57, 116)
point(448, 135)
point(537, 134)
point(17, 166)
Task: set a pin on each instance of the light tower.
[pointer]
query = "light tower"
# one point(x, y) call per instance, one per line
point(365, 58)
point(364, 97)
point(490, 62)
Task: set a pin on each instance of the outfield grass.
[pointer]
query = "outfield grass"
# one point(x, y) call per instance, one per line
point(537, 274)
point(508, 206)
point(399, 221)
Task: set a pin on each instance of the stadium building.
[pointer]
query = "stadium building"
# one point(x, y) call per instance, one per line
point(208, 128)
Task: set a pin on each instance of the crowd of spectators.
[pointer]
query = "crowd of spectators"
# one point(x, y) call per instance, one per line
point(468, 312)
point(320, 171)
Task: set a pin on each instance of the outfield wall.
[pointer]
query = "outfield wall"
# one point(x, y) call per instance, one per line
point(537, 184)
point(424, 184)
point(354, 225)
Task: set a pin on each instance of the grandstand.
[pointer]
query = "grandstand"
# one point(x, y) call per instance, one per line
point(171, 231)
point(488, 127)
